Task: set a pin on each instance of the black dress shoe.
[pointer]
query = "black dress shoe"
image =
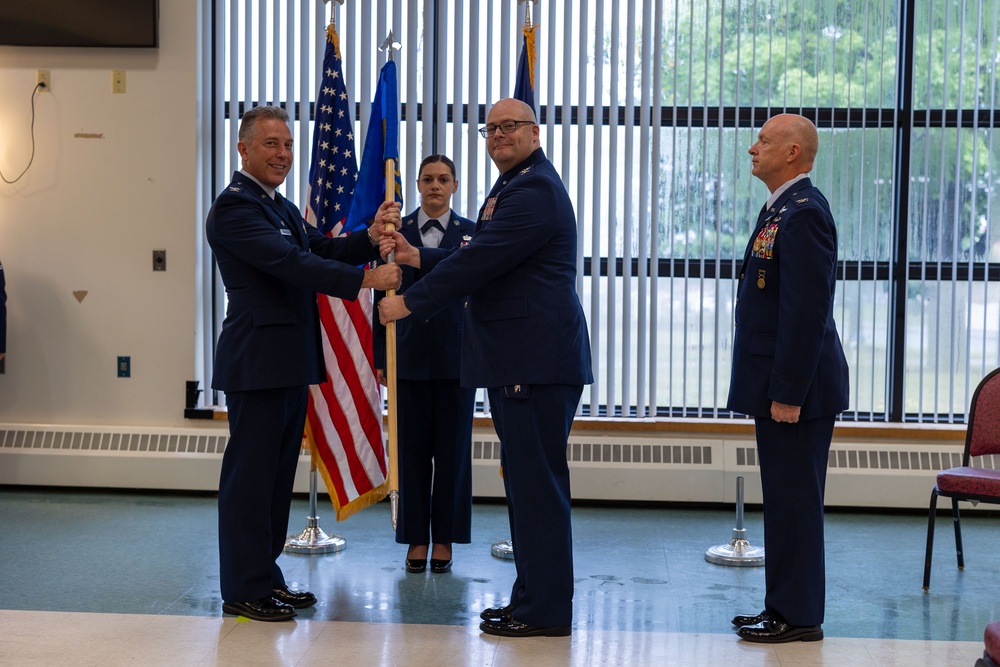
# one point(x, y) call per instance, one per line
point(440, 566)
point(496, 613)
point(297, 599)
point(775, 631)
point(510, 627)
point(264, 609)
point(741, 619)
point(415, 566)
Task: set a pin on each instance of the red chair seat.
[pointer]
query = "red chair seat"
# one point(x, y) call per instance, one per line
point(969, 481)
point(992, 638)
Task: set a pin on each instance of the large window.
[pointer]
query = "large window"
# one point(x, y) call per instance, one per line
point(647, 110)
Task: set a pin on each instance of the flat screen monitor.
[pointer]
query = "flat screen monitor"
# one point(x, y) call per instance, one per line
point(94, 23)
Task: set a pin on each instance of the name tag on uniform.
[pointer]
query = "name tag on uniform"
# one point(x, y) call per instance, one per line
point(285, 231)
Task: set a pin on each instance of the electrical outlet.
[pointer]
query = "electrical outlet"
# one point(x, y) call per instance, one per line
point(124, 367)
point(159, 260)
point(44, 78)
point(117, 81)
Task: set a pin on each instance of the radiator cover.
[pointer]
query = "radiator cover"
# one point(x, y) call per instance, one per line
point(604, 466)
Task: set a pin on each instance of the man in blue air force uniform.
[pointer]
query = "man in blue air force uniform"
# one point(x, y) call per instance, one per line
point(790, 374)
point(269, 351)
point(526, 341)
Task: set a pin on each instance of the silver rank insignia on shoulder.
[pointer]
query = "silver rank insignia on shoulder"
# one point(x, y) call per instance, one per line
point(236, 188)
point(524, 171)
point(802, 201)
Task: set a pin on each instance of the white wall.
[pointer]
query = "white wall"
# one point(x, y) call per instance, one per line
point(87, 216)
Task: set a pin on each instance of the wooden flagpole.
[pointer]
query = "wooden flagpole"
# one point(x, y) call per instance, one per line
point(390, 337)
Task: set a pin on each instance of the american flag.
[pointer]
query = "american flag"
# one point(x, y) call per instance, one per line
point(344, 425)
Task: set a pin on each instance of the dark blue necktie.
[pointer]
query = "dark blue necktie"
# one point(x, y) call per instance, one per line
point(429, 225)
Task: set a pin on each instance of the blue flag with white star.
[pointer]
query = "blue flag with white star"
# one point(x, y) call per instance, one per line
point(381, 144)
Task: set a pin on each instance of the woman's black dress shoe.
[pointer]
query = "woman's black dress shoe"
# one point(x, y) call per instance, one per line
point(440, 566)
point(415, 566)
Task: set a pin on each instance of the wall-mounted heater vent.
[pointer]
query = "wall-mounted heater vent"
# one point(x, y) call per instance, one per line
point(606, 466)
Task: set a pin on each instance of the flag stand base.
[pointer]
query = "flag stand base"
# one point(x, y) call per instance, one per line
point(739, 552)
point(313, 540)
point(503, 549)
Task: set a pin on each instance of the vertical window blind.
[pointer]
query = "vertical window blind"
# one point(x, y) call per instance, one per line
point(647, 110)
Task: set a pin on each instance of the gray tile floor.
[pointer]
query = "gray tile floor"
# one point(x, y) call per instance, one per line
point(637, 570)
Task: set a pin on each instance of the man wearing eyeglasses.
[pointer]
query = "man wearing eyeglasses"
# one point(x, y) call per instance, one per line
point(525, 340)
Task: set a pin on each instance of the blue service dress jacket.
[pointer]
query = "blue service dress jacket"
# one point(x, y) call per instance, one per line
point(786, 349)
point(273, 263)
point(428, 350)
point(523, 319)
point(785, 346)
point(525, 340)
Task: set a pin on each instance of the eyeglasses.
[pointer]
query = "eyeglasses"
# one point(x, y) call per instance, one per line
point(507, 127)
